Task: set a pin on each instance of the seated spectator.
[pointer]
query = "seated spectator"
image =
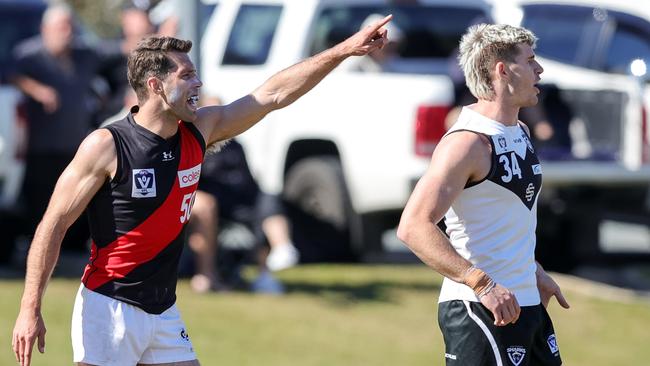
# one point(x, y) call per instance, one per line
point(229, 193)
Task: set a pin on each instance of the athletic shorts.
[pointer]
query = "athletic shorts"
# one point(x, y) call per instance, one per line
point(472, 339)
point(110, 332)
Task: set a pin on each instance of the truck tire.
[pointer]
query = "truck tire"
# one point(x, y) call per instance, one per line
point(319, 209)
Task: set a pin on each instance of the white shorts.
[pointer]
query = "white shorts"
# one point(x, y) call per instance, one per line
point(108, 332)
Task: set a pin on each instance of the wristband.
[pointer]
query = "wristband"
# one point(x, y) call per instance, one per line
point(478, 281)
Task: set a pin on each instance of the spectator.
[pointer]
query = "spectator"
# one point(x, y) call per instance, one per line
point(55, 71)
point(228, 192)
point(381, 60)
point(135, 25)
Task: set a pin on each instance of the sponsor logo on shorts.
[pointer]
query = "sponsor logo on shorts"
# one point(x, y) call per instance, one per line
point(516, 354)
point(189, 176)
point(184, 335)
point(144, 183)
point(552, 344)
point(450, 356)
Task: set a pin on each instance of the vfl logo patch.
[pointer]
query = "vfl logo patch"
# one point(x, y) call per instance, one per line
point(552, 344)
point(189, 176)
point(500, 144)
point(144, 183)
point(537, 169)
point(516, 354)
point(450, 356)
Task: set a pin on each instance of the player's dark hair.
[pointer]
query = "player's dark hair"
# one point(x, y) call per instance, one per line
point(150, 59)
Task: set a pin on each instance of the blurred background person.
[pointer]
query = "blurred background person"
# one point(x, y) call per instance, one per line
point(56, 72)
point(135, 25)
point(228, 193)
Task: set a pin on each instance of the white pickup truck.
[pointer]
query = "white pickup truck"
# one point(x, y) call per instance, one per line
point(349, 152)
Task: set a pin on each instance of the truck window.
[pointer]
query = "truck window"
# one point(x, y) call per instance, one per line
point(588, 37)
point(430, 31)
point(565, 33)
point(250, 39)
point(627, 43)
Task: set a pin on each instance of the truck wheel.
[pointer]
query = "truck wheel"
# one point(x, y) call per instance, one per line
point(316, 186)
point(319, 208)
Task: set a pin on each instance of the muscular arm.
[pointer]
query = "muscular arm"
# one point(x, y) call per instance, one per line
point(459, 158)
point(223, 122)
point(94, 162)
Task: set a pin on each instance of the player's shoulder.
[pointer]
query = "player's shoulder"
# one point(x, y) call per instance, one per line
point(465, 143)
point(100, 136)
point(97, 147)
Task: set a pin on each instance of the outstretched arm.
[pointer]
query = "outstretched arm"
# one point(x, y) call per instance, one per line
point(223, 122)
point(92, 165)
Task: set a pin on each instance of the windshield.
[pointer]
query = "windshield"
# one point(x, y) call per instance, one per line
point(430, 32)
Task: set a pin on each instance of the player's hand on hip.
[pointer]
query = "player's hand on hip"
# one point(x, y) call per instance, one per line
point(29, 328)
point(503, 305)
point(548, 288)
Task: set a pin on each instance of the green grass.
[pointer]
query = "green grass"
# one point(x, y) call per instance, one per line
point(344, 315)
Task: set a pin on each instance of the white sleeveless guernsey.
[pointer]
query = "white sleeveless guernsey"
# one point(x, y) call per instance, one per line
point(492, 223)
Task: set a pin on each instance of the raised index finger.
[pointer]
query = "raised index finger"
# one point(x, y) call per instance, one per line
point(380, 23)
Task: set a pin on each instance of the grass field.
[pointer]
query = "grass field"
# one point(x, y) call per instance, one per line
point(344, 315)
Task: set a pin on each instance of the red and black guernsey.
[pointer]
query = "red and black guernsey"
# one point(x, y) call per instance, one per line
point(137, 219)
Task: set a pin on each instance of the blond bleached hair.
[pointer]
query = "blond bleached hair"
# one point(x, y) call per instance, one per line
point(482, 46)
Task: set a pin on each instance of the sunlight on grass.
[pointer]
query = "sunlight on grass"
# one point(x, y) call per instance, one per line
point(343, 315)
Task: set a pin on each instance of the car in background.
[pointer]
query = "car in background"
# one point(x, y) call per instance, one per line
point(345, 157)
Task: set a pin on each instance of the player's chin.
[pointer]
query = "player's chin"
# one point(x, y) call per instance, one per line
point(531, 101)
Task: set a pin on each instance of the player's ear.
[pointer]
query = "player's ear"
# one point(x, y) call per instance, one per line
point(501, 70)
point(155, 85)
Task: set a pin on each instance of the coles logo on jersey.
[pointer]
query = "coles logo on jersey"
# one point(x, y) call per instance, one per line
point(144, 183)
point(189, 176)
